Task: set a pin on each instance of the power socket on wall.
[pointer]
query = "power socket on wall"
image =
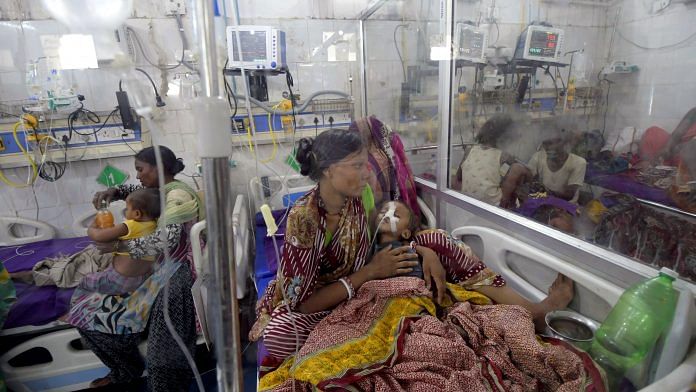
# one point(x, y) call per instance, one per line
point(175, 7)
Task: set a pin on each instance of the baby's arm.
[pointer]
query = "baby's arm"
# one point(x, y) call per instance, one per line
point(106, 235)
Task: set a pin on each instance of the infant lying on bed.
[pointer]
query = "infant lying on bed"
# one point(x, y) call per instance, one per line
point(125, 274)
point(397, 227)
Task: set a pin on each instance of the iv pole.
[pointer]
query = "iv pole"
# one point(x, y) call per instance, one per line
point(215, 148)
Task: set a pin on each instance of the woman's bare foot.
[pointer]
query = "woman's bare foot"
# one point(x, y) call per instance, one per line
point(560, 293)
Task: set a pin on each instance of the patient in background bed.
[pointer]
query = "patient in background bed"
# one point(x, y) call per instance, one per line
point(459, 261)
point(126, 274)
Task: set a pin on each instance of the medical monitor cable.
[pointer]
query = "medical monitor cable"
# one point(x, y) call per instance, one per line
point(290, 82)
point(158, 98)
point(182, 61)
point(398, 51)
point(93, 118)
point(229, 92)
point(126, 143)
point(49, 170)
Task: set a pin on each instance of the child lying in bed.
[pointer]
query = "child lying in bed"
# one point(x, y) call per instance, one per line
point(125, 274)
point(461, 266)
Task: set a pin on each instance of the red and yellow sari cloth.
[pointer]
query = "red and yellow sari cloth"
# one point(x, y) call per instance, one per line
point(392, 337)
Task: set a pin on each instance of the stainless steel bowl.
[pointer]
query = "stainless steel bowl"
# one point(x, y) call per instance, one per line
point(572, 327)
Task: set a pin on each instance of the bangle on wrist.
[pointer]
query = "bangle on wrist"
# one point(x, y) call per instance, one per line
point(349, 286)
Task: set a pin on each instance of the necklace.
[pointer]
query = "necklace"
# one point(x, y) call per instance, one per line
point(322, 204)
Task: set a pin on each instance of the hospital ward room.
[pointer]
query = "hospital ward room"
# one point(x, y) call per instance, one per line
point(348, 195)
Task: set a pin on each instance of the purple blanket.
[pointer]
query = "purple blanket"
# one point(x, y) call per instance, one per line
point(38, 305)
point(531, 205)
point(625, 183)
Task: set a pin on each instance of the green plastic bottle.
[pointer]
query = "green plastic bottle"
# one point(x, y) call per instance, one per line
point(632, 328)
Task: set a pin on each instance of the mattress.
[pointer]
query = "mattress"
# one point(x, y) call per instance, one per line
point(38, 305)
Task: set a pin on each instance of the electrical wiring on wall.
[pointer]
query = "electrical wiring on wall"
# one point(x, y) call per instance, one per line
point(133, 35)
point(24, 121)
point(49, 170)
point(89, 115)
point(398, 51)
point(685, 40)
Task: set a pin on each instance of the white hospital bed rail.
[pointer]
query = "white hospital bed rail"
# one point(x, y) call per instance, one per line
point(8, 237)
point(69, 368)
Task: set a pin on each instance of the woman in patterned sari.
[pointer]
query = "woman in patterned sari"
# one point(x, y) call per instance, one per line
point(112, 325)
point(326, 244)
point(326, 252)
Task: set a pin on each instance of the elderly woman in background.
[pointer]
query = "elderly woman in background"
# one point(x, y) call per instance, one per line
point(561, 172)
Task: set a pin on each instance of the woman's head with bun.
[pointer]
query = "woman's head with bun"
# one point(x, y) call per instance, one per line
point(336, 159)
point(146, 165)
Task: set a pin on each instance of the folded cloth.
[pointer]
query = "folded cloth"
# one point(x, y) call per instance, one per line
point(68, 271)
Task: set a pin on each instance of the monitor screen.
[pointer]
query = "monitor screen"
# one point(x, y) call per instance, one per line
point(471, 43)
point(543, 43)
point(253, 45)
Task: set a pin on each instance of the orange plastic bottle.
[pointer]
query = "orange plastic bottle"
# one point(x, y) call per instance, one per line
point(104, 217)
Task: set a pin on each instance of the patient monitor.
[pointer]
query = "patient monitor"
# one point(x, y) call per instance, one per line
point(540, 43)
point(471, 43)
point(262, 47)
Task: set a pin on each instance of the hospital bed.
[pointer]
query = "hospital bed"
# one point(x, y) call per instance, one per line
point(530, 271)
point(38, 352)
point(625, 182)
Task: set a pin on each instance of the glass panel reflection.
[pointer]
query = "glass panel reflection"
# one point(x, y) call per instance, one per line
point(569, 113)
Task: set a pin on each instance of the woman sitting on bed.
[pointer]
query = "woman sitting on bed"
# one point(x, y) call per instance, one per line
point(114, 325)
point(326, 256)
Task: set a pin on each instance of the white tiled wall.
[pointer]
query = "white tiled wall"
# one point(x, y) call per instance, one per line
point(660, 93)
point(305, 23)
point(665, 87)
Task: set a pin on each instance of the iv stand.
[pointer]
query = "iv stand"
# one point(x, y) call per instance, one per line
point(570, 70)
point(223, 307)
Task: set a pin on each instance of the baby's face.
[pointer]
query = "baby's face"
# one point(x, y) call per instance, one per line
point(401, 214)
point(130, 211)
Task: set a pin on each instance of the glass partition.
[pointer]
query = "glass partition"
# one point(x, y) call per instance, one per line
point(402, 74)
point(580, 115)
